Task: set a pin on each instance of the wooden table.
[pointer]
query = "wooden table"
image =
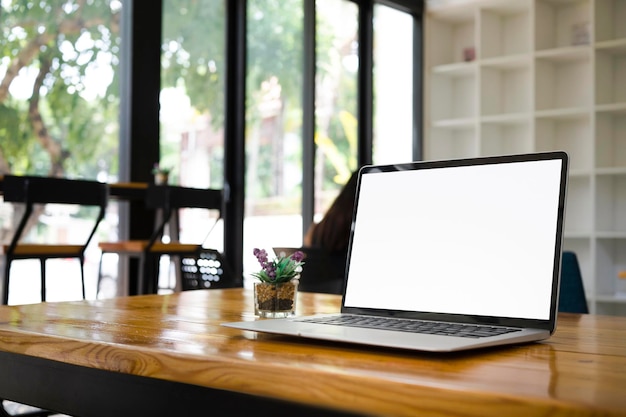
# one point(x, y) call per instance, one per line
point(144, 355)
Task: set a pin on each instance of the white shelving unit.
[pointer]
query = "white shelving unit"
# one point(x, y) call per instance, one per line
point(515, 76)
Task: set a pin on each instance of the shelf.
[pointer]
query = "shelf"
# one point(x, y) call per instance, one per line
point(506, 119)
point(615, 108)
point(579, 173)
point(576, 236)
point(507, 62)
point(615, 46)
point(505, 138)
point(561, 23)
point(455, 123)
point(611, 259)
point(504, 29)
point(617, 298)
point(612, 14)
point(454, 31)
point(504, 90)
point(557, 82)
point(566, 54)
point(611, 235)
point(458, 69)
point(610, 73)
point(573, 113)
point(567, 133)
point(447, 143)
point(542, 75)
point(579, 203)
point(611, 171)
point(611, 210)
point(610, 141)
point(455, 96)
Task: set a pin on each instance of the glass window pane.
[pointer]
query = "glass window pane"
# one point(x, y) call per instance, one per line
point(192, 92)
point(393, 86)
point(192, 105)
point(273, 126)
point(336, 101)
point(59, 60)
point(59, 105)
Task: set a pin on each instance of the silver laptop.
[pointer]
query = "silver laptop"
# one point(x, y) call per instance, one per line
point(449, 255)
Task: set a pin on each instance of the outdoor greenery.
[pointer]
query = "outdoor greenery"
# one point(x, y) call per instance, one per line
point(60, 116)
point(59, 81)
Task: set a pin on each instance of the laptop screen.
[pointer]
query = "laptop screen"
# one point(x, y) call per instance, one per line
point(458, 237)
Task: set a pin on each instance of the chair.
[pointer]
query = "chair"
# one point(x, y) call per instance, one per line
point(207, 270)
point(32, 191)
point(322, 272)
point(572, 294)
point(167, 200)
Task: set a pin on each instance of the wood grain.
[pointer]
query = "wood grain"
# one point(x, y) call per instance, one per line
point(581, 370)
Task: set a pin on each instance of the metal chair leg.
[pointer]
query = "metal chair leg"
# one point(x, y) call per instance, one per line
point(99, 279)
point(82, 275)
point(7, 271)
point(42, 261)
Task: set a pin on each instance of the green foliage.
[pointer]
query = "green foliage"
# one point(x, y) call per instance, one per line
point(275, 42)
point(280, 269)
point(193, 53)
point(75, 38)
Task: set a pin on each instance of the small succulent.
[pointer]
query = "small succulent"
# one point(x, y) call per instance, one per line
point(279, 269)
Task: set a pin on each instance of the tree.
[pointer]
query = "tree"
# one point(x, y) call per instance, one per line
point(58, 125)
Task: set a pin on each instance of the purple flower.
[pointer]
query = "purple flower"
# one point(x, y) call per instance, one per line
point(280, 269)
point(297, 256)
point(261, 256)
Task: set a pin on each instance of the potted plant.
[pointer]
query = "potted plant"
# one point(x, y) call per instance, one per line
point(161, 174)
point(277, 285)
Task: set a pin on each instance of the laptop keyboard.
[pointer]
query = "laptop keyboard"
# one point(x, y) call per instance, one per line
point(414, 326)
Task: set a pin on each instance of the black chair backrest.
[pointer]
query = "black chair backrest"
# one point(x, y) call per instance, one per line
point(43, 190)
point(32, 190)
point(173, 197)
point(572, 294)
point(170, 197)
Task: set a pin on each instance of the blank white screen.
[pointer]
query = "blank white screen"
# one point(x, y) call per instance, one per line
point(477, 240)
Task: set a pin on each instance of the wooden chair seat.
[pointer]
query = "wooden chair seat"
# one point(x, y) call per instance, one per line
point(40, 249)
point(138, 246)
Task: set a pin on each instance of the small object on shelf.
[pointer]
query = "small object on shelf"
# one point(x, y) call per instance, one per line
point(275, 293)
point(161, 174)
point(580, 33)
point(469, 54)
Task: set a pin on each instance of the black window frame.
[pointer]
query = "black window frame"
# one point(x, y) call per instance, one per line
point(139, 122)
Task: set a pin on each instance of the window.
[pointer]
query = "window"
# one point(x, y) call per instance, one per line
point(336, 111)
point(276, 64)
point(192, 105)
point(192, 91)
point(273, 124)
point(61, 59)
point(59, 104)
point(296, 136)
point(310, 117)
point(393, 86)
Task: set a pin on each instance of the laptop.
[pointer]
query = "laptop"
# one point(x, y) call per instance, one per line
point(448, 255)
